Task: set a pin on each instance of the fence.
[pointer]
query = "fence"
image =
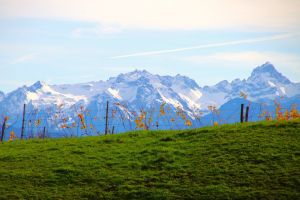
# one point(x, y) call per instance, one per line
point(114, 117)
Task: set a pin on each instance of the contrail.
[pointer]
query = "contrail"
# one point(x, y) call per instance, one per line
point(211, 45)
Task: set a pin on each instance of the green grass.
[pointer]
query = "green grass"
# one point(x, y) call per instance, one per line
point(248, 161)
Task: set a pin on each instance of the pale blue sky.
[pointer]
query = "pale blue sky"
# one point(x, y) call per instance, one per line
point(52, 42)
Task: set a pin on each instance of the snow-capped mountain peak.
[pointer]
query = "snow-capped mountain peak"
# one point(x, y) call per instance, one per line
point(267, 72)
point(37, 85)
point(132, 76)
point(41, 87)
point(223, 85)
point(265, 82)
point(266, 67)
point(140, 88)
point(39, 95)
point(139, 73)
point(184, 80)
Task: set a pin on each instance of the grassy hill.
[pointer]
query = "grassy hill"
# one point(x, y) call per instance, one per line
point(244, 161)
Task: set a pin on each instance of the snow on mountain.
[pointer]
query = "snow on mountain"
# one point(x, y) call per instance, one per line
point(82, 89)
point(265, 82)
point(38, 95)
point(266, 73)
point(143, 90)
point(141, 87)
point(2, 95)
point(41, 93)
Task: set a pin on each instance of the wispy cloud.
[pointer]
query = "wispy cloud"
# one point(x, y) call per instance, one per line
point(24, 58)
point(212, 45)
point(95, 31)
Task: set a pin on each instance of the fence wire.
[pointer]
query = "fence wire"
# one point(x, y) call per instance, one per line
point(57, 121)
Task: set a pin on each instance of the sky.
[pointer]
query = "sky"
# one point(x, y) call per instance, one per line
point(74, 41)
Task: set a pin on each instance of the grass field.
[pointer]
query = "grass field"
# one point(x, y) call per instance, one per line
point(243, 161)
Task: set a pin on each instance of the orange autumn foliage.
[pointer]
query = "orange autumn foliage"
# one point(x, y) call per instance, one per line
point(12, 136)
point(188, 123)
point(139, 120)
point(37, 122)
point(83, 125)
point(162, 109)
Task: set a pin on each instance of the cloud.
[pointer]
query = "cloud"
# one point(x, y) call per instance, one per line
point(96, 31)
point(212, 45)
point(164, 14)
point(24, 58)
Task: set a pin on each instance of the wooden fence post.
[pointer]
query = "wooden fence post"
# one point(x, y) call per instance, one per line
point(44, 132)
point(23, 122)
point(242, 113)
point(113, 129)
point(106, 119)
point(247, 113)
point(3, 129)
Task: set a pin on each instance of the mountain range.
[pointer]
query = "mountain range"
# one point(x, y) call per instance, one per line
point(141, 90)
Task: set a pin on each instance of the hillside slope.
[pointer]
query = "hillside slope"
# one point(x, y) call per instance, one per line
point(243, 161)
